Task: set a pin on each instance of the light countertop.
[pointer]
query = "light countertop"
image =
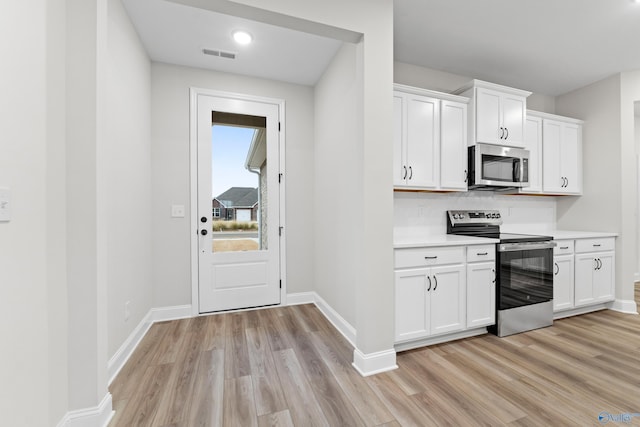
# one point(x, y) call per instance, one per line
point(568, 234)
point(440, 240)
point(455, 240)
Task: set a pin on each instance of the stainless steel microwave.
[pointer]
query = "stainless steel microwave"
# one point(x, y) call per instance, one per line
point(497, 168)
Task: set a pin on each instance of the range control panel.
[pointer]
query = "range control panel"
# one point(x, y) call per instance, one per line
point(491, 217)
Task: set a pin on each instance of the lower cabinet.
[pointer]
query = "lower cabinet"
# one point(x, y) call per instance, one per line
point(481, 291)
point(584, 273)
point(429, 301)
point(563, 282)
point(594, 278)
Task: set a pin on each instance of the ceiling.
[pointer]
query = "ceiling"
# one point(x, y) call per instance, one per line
point(545, 46)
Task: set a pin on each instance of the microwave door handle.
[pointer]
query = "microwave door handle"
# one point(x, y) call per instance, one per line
point(516, 170)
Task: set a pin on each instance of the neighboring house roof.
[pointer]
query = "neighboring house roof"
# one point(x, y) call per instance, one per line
point(238, 197)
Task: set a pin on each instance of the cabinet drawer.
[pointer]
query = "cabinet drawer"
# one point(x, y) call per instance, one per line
point(563, 247)
point(481, 253)
point(595, 245)
point(422, 257)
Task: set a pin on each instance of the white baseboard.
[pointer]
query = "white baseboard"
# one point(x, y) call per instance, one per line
point(409, 345)
point(374, 363)
point(171, 313)
point(301, 298)
point(98, 416)
point(624, 306)
point(344, 327)
point(125, 351)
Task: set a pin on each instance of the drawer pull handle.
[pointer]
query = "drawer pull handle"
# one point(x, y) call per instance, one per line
point(596, 245)
point(482, 253)
point(564, 247)
point(431, 257)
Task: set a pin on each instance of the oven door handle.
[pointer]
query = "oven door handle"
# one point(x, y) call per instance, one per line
point(513, 247)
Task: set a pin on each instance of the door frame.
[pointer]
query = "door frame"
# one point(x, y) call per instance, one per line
point(194, 92)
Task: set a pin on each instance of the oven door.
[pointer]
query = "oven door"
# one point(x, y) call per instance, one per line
point(525, 274)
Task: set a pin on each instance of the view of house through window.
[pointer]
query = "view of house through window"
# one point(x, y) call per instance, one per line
point(237, 165)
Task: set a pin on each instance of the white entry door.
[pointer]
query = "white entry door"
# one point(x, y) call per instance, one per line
point(238, 166)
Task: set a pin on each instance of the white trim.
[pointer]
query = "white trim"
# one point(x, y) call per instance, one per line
point(408, 345)
point(338, 322)
point(301, 298)
point(125, 351)
point(193, 170)
point(580, 310)
point(374, 363)
point(161, 314)
point(624, 306)
point(98, 416)
point(344, 327)
point(117, 361)
point(636, 277)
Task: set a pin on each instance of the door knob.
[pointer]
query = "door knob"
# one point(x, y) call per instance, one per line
point(203, 232)
point(203, 219)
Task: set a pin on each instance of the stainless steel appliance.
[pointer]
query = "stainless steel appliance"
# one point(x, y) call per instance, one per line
point(524, 271)
point(497, 168)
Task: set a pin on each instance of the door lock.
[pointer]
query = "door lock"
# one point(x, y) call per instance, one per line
point(203, 232)
point(203, 219)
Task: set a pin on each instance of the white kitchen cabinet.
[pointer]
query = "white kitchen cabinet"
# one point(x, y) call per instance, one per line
point(562, 156)
point(453, 145)
point(533, 143)
point(481, 286)
point(429, 300)
point(594, 278)
point(563, 275)
point(497, 113)
point(430, 140)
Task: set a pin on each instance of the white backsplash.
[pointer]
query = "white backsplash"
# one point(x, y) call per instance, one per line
point(424, 214)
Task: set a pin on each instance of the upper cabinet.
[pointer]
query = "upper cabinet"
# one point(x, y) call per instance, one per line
point(533, 143)
point(497, 113)
point(562, 156)
point(430, 140)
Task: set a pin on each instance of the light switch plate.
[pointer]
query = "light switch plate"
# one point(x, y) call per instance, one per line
point(177, 211)
point(5, 204)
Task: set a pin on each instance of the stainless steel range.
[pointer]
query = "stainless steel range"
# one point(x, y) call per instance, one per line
point(524, 271)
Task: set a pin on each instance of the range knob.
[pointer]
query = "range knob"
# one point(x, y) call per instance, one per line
point(498, 215)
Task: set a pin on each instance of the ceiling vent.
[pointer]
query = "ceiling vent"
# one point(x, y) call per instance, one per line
point(220, 53)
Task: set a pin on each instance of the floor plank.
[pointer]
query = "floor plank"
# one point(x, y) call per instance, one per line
point(288, 366)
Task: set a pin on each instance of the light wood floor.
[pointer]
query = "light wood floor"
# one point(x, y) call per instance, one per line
point(288, 366)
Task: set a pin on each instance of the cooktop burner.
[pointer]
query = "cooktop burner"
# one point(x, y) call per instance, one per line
point(485, 223)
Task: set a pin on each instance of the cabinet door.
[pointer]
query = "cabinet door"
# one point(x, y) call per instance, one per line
point(423, 148)
point(571, 157)
point(584, 268)
point(533, 143)
point(453, 145)
point(563, 282)
point(411, 298)
point(481, 294)
point(488, 119)
point(552, 181)
point(447, 305)
point(513, 119)
point(603, 277)
point(399, 162)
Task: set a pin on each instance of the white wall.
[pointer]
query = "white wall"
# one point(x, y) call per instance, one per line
point(442, 81)
point(600, 208)
point(24, 291)
point(56, 211)
point(338, 182)
point(424, 214)
point(170, 175)
point(128, 167)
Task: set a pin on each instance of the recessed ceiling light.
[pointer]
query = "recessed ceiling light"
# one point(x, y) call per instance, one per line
point(242, 37)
